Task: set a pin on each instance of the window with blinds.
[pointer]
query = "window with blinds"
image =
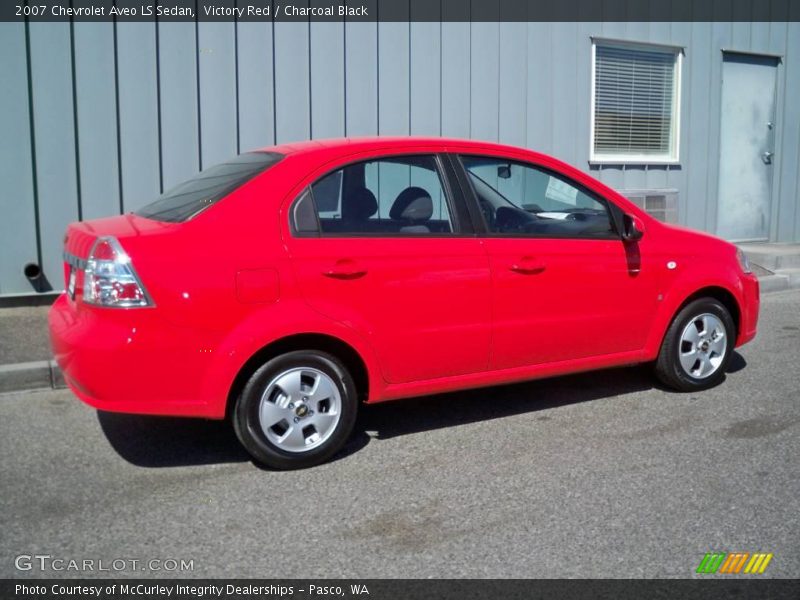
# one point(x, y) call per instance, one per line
point(635, 103)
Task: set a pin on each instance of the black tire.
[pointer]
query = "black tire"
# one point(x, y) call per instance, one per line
point(246, 420)
point(668, 366)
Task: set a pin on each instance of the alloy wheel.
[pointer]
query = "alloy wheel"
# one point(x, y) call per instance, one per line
point(702, 347)
point(299, 409)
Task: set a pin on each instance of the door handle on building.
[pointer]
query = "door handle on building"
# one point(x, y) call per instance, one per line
point(767, 157)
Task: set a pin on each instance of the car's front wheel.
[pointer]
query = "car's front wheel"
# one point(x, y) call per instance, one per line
point(697, 346)
point(297, 410)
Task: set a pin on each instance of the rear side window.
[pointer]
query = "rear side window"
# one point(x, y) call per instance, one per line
point(209, 186)
point(398, 195)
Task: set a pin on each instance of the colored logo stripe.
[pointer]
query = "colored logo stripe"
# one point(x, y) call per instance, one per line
point(711, 562)
point(758, 564)
point(733, 563)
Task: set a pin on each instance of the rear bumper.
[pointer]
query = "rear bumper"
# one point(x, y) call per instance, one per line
point(751, 304)
point(131, 361)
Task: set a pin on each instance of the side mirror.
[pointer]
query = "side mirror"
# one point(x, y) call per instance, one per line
point(632, 228)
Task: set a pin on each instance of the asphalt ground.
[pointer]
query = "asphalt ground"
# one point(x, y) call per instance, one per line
point(594, 475)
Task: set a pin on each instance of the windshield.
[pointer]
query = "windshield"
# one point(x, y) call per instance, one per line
point(209, 186)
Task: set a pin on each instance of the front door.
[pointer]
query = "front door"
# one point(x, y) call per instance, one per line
point(564, 285)
point(747, 148)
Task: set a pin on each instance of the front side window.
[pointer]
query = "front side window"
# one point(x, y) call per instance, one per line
point(401, 195)
point(635, 106)
point(522, 199)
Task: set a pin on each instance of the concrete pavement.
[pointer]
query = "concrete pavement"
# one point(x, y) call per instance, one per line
point(23, 335)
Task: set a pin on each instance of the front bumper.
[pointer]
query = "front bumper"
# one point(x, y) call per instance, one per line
point(750, 306)
point(131, 360)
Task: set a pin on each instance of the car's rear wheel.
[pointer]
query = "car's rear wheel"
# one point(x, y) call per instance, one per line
point(297, 410)
point(697, 346)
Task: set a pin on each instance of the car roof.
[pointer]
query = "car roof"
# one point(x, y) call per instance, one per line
point(349, 145)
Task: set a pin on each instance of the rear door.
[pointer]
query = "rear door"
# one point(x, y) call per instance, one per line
point(385, 245)
point(564, 285)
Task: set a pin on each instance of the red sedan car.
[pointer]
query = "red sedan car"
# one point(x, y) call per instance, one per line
point(288, 285)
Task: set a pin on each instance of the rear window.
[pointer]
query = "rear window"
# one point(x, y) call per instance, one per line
point(194, 195)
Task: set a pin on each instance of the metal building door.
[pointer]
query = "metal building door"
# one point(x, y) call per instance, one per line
point(747, 146)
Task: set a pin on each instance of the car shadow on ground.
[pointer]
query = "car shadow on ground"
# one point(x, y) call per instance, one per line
point(154, 442)
point(147, 441)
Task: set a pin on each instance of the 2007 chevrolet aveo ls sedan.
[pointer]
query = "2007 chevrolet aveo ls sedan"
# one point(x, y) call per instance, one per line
point(287, 286)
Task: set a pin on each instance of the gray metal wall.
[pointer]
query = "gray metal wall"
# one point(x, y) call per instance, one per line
point(97, 119)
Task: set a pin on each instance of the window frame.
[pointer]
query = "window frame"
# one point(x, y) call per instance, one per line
point(455, 201)
point(671, 158)
point(477, 215)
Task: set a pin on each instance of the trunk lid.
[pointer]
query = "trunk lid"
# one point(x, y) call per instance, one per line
point(81, 235)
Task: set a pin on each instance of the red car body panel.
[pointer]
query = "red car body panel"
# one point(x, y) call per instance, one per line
point(433, 314)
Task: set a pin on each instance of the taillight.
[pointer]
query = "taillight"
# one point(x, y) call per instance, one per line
point(110, 280)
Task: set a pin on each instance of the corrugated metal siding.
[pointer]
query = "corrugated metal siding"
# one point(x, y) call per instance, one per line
point(98, 119)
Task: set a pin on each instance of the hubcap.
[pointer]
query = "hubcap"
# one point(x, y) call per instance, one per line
point(300, 409)
point(702, 346)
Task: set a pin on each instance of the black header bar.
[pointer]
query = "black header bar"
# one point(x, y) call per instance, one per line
point(401, 10)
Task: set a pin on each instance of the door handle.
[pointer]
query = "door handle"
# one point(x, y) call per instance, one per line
point(767, 157)
point(345, 269)
point(528, 266)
